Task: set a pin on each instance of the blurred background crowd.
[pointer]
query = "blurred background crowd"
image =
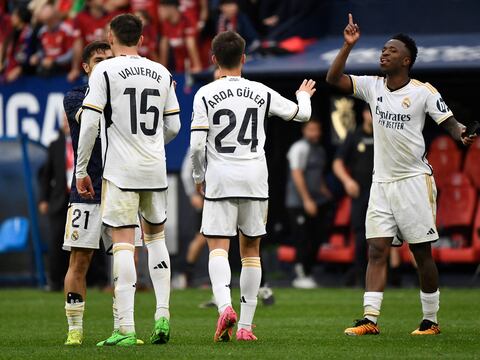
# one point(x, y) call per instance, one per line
point(46, 37)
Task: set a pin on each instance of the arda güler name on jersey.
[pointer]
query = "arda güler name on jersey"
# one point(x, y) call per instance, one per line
point(245, 92)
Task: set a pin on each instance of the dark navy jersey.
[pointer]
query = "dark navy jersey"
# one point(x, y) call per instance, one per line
point(72, 103)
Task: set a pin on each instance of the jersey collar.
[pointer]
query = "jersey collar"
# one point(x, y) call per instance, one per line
point(400, 88)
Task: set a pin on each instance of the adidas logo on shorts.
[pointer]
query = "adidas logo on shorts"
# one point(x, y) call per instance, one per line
point(431, 232)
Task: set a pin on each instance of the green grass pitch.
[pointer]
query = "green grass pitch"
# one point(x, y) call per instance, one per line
point(301, 325)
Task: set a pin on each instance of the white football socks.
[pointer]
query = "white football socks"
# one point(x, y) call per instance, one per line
point(159, 267)
point(74, 312)
point(124, 277)
point(250, 279)
point(220, 277)
point(430, 305)
point(116, 324)
point(372, 302)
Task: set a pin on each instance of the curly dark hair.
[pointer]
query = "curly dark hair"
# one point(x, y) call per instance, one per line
point(410, 45)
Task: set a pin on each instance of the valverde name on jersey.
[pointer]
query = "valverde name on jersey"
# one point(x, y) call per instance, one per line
point(138, 70)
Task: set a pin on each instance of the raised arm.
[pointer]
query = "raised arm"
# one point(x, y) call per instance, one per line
point(304, 93)
point(335, 75)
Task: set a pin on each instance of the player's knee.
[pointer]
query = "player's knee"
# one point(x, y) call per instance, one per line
point(80, 262)
point(378, 252)
point(422, 253)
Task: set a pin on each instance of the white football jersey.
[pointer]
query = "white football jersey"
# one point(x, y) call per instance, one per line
point(398, 121)
point(234, 111)
point(134, 94)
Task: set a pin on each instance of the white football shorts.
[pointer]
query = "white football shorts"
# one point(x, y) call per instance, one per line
point(121, 208)
point(406, 208)
point(222, 218)
point(84, 228)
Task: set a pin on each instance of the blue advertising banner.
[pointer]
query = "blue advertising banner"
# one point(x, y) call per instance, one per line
point(34, 106)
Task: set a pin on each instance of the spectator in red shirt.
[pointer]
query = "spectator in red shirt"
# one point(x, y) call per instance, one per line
point(15, 48)
point(179, 35)
point(149, 46)
point(55, 38)
point(89, 25)
point(196, 11)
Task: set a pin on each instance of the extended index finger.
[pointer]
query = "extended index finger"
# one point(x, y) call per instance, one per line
point(350, 19)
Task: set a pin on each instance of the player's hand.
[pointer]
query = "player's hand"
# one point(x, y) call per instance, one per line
point(467, 140)
point(197, 201)
point(43, 207)
point(308, 86)
point(351, 34)
point(199, 188)
point(310, 207)
point(352, 188)
point(85, 188)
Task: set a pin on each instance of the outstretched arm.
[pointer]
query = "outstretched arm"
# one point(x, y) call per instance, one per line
point(304, 93)
point(457, 130)
point(335, 75)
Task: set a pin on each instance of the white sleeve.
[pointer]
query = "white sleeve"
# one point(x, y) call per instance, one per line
point(96, 97)
point(86, 141)
point(288, 110)
point(363, 86)
point(187, 173)
point(297, 156)
point(171, 105)
point(200, 114)
point(304, 107)
point(435, 106)
point(198, 137)
point(171, 127)
point(198, 141)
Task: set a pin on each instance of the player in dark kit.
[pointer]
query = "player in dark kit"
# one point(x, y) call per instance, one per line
point(83, 229)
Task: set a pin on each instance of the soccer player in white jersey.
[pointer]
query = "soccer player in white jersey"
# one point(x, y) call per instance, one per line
point(141, 114)
point(403, 194)
point(229, 120)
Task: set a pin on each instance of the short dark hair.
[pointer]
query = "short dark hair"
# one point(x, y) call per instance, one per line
point(410, 45)
point(23, 14)
point(127, 28)
point(228, 47)
point(92, 48)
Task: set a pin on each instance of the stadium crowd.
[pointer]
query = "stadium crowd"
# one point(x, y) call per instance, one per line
point(46, 37)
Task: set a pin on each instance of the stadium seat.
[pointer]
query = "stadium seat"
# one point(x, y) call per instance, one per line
point(445, 158)
point(456, 204)
point(14, 234)
point(472, 163)
point(340, 247)
point(455, 217)
point(469, 254)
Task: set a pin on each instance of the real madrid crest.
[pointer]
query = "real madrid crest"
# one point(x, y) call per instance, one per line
point(75, 235)
point(406, 103)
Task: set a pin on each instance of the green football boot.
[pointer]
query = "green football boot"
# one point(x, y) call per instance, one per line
point(118, 339)
point(161, 331)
